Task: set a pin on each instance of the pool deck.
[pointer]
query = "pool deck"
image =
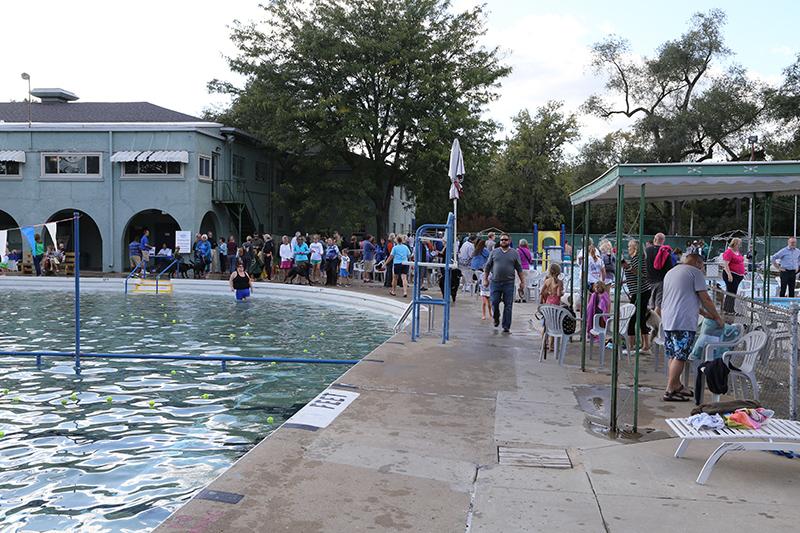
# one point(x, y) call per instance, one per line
point(477, 435)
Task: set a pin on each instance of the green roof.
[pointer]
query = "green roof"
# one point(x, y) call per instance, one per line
point(693, 181)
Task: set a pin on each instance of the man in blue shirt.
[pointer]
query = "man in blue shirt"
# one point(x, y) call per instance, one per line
point(368, 248)
point(145, 245)
point(135, 253)
point(790, 260)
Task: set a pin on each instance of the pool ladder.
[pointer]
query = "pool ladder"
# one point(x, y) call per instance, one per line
point(153, 285)
point(431, 308)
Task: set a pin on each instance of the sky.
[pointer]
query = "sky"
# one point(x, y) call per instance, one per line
point(164, 52)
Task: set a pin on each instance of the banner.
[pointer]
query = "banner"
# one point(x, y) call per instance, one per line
point(3, 243)
point(51, 229)
point(29, 232)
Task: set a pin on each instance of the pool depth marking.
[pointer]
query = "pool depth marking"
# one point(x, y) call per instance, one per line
point(322, 410)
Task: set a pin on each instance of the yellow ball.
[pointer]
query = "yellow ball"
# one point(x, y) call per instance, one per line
point(173, 320)
point(64, 401)
point(174, 372)
point(205, 396)
point(270, 419)
point(321, 334)
point(165, 314)
point(2, 433)
point(305, 351)
point(152, 403)
point(313, 336)
point(74, 397)
point(109, 399)
point(231, 335)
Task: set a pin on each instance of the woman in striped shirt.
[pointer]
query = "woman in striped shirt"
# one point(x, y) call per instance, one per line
point(640, 296)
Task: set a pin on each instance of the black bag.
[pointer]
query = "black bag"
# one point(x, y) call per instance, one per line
point(569, 323)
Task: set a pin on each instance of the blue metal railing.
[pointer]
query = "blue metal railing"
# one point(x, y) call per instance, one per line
point(221, 358)
point(418, 302)
point(158, 276)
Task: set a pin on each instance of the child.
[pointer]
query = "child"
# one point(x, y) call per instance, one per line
point(552, 291)
point(599, 303)
point(344, 263)
point(486, 296)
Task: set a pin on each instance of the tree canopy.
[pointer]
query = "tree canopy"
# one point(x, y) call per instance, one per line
point(379, 86)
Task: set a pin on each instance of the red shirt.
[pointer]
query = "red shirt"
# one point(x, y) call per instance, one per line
point(736, 261)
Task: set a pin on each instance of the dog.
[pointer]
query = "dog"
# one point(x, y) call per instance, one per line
point(182, 269)
point(296, 271)
point(455, 283)
point(654, 322)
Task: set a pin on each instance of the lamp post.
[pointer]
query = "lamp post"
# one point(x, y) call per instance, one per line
point(25, 76)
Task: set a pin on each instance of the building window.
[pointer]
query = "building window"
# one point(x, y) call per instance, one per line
point(72, 165)
point(204, 168)
point(262, 171)
point(9, 168)
point(238, 167)
point(278, 176)
point(152, 168)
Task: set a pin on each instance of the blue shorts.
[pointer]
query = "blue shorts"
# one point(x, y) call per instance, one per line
point(241, 294)
point(343, 272)
point(678, 344)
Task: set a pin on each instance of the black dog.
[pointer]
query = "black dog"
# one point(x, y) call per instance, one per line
point(297, 271)
point(182, 268)
point(455, 282)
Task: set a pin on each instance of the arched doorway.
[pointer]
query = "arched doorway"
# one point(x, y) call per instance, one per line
point(91, 242)
point(14, 237)
point(210, 223)
point(161, 225)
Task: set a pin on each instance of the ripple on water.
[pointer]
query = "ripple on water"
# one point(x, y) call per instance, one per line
point(90, 465)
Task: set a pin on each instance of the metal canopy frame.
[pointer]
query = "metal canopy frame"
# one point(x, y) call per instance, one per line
point(669, 182)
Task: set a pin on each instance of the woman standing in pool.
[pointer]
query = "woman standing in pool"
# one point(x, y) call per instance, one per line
point(240, 283)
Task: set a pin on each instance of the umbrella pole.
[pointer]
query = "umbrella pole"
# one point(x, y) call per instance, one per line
point(455, 231)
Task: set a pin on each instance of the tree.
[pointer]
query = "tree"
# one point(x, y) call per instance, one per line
point(683, 112)
point(529, 182)
point(379, 86)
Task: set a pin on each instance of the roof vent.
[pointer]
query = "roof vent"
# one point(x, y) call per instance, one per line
point(54, 96)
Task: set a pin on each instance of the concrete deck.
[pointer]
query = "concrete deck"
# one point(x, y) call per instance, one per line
point(419, 450)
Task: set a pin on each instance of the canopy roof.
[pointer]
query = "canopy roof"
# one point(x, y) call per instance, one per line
point(693, 181)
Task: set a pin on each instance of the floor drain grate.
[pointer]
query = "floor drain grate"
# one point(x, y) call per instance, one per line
point(540, 458)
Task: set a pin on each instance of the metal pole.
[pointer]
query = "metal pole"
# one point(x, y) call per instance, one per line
point(638, 331)
point(585, 275)
point(572, 262)
point(615, 334)
point(793, 366)
point(77, 261)
point(767, 239)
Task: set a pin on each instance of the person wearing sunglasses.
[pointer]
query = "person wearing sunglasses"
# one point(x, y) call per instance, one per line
point(503, 262)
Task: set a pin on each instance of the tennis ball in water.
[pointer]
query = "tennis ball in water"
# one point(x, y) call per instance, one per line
point(16, 400)
point(64, 401)
point(174, 372)
point(173, 320)
point(321, 334)
point(109, 399)
point(2, 433)
point(152, 403)
point(270, 419)
point(272, 363)
point(74, 397)
point(231, 335)
point(313, 336)
point(165, 314)
point(205, 396)
point(247, 334)
point(305, 351)
point(5, 391)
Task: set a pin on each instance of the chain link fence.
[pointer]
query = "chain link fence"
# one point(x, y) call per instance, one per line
point(774, 367)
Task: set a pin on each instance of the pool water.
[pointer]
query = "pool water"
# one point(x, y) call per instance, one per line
point(121, 445)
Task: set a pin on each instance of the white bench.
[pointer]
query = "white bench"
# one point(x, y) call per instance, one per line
point(785, 432)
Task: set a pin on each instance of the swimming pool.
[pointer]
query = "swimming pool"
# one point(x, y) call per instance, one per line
point(90, 452)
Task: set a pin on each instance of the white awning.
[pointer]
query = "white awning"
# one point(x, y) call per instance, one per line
point(177, 156)
point(12, 155)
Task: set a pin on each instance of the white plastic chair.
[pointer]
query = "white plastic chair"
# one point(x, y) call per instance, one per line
point(753, 342)
point(553, 327)
point(625, 313)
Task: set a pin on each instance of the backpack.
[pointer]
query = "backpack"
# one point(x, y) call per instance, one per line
point(569, 322)
point(664, 254)
point(610, 263)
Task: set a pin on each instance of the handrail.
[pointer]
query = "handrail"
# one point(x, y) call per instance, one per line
point(221, 358)
point(134, 272)
point(175, 261)
point(398, 325)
